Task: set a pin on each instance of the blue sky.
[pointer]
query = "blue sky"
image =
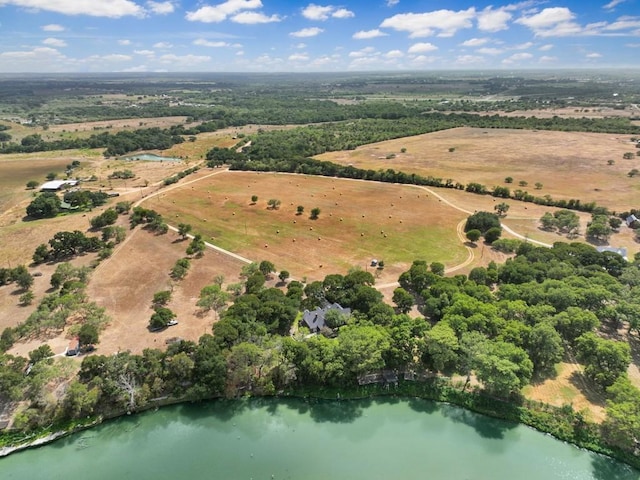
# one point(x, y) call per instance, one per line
point(286, 36)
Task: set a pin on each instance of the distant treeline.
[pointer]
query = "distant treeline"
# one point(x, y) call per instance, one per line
point(115, 144)
point(354, 129)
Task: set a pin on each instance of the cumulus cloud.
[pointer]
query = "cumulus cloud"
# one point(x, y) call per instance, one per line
point(548, 59)
point(324, 12)
point(343, 13)
point(546, 48)
point(161, 8)
point(367, 34)
point(422, 48)
point(252, 18)
point(307, 32)
point(219, 13)
point(146, 53)
point(444, 23)
point(53, 27)
point(554, 21)
point(392, 3)
point(474, 42)
point(363, 52)
point(593, 55)
point(162, 45)
point(394, 54)
point(490, 20)
point(124, 42)
point(94, 8)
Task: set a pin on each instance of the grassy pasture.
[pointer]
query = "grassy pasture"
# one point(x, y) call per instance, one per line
point(15, 172)
point(568, 164)
point(358, 221)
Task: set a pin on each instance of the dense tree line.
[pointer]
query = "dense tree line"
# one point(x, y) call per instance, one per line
point(115, 144)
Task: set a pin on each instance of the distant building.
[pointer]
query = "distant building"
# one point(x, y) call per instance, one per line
point(55, 185)
point(630, 220)
point(315, 319)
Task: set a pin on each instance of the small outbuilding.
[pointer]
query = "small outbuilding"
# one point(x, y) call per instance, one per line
point(55, 185)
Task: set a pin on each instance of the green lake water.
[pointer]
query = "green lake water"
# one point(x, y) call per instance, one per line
point(296, 439)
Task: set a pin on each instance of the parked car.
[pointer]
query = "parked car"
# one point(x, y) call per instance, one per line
point(171, 323)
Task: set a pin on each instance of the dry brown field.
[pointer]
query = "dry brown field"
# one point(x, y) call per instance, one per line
point(567, 164)
point(359, 221)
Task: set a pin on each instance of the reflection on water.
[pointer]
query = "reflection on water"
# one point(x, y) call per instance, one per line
point(311, 439)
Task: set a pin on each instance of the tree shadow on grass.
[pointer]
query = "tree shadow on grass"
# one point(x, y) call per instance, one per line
point(586, 387)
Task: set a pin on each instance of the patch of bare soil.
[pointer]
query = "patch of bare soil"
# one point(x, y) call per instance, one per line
point(569, 387)
point(126, 282)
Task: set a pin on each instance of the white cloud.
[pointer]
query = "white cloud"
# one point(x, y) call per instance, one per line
point(54, 42)
point(53, 27)
point(299, 57)
point(555, 21)
point(367, 34)
point(546, 48)
point(523, 46)
point(207, 43)
point(343, 13)
point(161, 8)
point(363, 52)
point(317, 12)
point(593, 55)
point(423, 59)
point(469, 60)
point(490, 51)
point(394, 54)
point(474, 42)
point(307, 32)
point(422, 48)
point(162, 45)
point(623, 23)
point(517, 57)
point(324, 12)
point(32, 60)
point(94, 8)
point(252, 18)
point(392, 3)
point(146, 53)
point(124, 42)
point(490, 20)
point(220, 12)
point(613, 4)
point(547, 18)
point(300, 45)
point(548, 59)
point(443, 22)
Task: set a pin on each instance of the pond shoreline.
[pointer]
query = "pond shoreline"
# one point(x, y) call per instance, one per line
point(438, 391)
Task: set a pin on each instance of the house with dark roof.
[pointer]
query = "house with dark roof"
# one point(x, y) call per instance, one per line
point(314, 319)
point(619, 250)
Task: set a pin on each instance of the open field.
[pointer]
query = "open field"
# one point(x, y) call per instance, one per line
point(359, 221)
point(567, 164)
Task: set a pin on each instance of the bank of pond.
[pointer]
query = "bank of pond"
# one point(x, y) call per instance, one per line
point(383, 437)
